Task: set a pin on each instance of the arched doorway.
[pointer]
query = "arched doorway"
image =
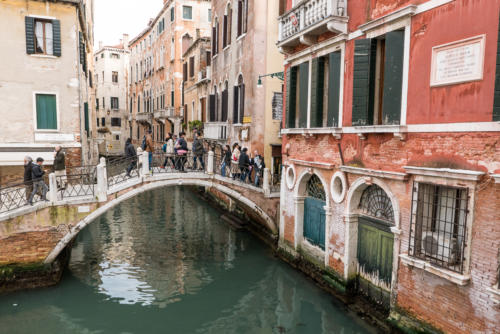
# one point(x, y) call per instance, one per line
point(375, 245)
point(314, 212)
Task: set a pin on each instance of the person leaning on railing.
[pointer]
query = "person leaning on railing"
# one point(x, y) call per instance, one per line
point(131, 154)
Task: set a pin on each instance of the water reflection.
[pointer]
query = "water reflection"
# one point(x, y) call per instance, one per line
point(164, 262)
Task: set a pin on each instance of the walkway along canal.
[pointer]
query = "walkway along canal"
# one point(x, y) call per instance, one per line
point(165, 262)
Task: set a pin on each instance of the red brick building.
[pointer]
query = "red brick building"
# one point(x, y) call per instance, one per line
point(392, 153)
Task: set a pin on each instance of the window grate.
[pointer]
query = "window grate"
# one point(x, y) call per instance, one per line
point(438, 225)
point(375, 203)
point(314, 188)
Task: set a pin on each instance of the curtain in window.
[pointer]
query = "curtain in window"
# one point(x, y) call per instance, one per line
point(39, 37)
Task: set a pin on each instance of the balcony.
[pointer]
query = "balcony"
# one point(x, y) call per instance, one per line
point(215, 130)
point(310, 18)
point(144, 117)
point(163, 114)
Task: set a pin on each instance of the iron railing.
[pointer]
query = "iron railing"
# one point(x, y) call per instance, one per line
point(246, 175)
point(122, 169)
point(276, 181)
point(15, 195)
point(78, 181)
point(438, 231)
point(173, 163)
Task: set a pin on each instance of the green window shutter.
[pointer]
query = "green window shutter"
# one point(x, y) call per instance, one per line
point(56, 35)
point(303, 93)
point(317, 89)
point(365, 51)
point(333, 89)
point(46, 112)
point(496, 101)
point(86, 115)
point(393, 77)
point(291, 96)
point(83, 58)
point(30, 34)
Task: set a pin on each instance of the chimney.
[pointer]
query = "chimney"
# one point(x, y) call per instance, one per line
point(100, 45)
point(125, 41)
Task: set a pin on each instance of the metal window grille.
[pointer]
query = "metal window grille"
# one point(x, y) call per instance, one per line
point(438, 225)
point(314, 188)
point(375, 203)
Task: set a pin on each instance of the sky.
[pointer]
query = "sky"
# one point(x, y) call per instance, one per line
point(113, 18)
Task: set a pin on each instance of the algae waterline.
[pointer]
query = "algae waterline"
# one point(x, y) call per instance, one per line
point(164, 262)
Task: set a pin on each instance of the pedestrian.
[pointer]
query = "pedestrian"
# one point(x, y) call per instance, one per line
point(150, 148)
point(244, 164)
point(37, 173)
point(168, 148)
point(198, 151)
point(259, 165)
point(226, 160)
point(28, 179)
point(235, 157)
point(131, 154)
point(60, 167)
point(181, 150)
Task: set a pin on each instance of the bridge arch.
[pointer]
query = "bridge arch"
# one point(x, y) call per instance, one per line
point(63, 242)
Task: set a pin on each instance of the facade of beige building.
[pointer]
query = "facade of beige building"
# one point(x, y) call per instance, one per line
point(45, 83)
point(111, 82)
point(155, 84)
point(243, 49)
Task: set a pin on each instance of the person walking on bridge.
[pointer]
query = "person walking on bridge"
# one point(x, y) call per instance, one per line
point(198, 151)
point(60, 167)
point(131, 154)
point(28, 179)
point(150, 148)
point(38, 183)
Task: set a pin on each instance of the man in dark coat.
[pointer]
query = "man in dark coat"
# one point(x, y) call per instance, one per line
point(60, 167)
point(28, 184)
point(37, 173)
point(244, 164)
point(198, 151)
point(130, 153)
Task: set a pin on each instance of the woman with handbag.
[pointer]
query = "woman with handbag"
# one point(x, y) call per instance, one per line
point(235, 168)
point(181, 150)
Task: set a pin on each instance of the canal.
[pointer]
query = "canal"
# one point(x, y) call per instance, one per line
point(164, 262)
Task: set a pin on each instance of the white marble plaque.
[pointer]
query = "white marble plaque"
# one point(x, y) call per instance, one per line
point(458, 62)
point(54, 137)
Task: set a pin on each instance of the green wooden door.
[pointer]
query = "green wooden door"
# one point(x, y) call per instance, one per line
point(314, 221)
point(375, 245)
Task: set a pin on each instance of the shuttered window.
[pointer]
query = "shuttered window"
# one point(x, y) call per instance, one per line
point(333, 89)
point(291, 96)
point(224, 105)
point(377, 100)
point(46, 112)
point(236, 103)
point(191, 67)
point(317, 92)
point(224, 32)
point(185, 71)
point(303, 93)
point(211, 108)
point(43, 36)
point(83, 56)
point(86, 117)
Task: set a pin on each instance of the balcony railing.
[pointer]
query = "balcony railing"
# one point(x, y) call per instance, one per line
point(311, 18)
point(215, 130)
point(144, 117)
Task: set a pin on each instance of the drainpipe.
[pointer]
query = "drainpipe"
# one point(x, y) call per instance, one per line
point(79, 84)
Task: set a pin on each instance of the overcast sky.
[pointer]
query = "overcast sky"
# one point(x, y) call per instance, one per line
point(113, 18)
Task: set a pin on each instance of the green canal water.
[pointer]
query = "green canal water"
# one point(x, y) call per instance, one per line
point(165, 262)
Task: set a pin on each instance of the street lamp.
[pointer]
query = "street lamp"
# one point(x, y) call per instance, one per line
point(279, 75)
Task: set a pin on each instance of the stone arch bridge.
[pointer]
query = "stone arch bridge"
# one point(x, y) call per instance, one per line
point(33, 239)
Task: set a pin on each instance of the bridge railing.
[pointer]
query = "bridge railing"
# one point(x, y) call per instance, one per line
point(248, 175)
point(174, 163)
point(15, 195)
point(119, 170)
point(78, 181)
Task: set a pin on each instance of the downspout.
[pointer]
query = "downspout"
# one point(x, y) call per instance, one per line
point(79, 85)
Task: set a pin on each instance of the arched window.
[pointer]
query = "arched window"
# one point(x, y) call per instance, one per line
point(215, 37)
point(172, 94)
point(239, 101)
point(213, 105)
point(242, 17)
point(315, 189)
point(226, 38)
point(375, 203)
point(224, 102)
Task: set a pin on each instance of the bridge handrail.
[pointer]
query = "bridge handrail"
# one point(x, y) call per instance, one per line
point(245, 175)
point(121, 169)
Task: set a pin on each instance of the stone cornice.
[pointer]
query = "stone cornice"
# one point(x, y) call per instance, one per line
point(375, 173)
point(457, 174)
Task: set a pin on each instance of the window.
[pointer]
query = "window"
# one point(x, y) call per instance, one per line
point(242, 17)
point(103, 121)
point(172, 96)
point(97, 104)
point(282, 7)
point(224, 102)
point(117, 137)
point(209, 15)
point(277, 106)
point(378, 79)
point(43, 36)
point(91, 83)
point(191, 67)
point(86, 118)
point(114, 103)
point(102, 55)
point(116, 121)
point(172, 14)
point(46, 112)
point(103, 103)
point(187, 12)
point(239, 101)
point(438, 225)
point(184, 72)
point(226, 28)
point(97, 121)
point(215, 37)
point(172, 49)
point(114, 77)
point(114, 56)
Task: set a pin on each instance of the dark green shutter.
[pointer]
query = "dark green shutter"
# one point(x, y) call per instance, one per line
point(365, 51)
point(333, 89)
point(303, 93)
point(393, 77)
point(235, 104)
point(496, 101)
point(86, 115)
point(242, 102)
point(317, 91)
point(30, 34)
point(46, 112)
point(56, 35)
point(291, 96)
point(83, 58)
